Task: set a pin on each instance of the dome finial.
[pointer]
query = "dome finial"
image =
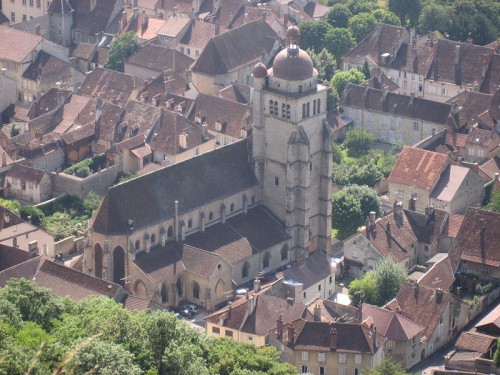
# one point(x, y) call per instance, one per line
point(293, 37)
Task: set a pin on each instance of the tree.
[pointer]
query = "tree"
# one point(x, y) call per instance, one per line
point(91, 203)
point(386, 16)
point(339, 15)
point(332, 98)
point(363, 289)
point(366, 70)
point(340, 79)
point(406, 10)
point(387, 367)
point(324, 63)
point(312, 34)
point(120, 49)
point(338, 42)
point(336, 153)
point(361, 6)
point(389, 276)
point(34, 214)
point(12, 205)
point(434, 17)
point(496, 356)
point(362, 172)
point(361, 25)
point(14, 131)
point(351, 206)
point(358, 140)
point(494, 204)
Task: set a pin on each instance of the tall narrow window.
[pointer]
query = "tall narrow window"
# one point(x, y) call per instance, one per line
point(314, 106)
point(319, 106)
point(308, 109)
point(304, 110)
point(271, 107)
point(288, 111)
point(276, 108)
point(283, 110)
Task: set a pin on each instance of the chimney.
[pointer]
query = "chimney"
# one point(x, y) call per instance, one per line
point(398, 208)
point(285, 20)
point(183, 141)
point(317, 313)
point(475, 167)
point(279, 327)
point(497, 177)
point(176, 220)
point(439, 295)
point(251, 304)
point(372, 217)
point(415, 290)
point(457, 54)
point(412, 204)
point(388, 227)
point(256, 285)
point(38, 29)
point(375, 338)
point(412, 97)
point(33, 247)
point(229, 310)
point(124, 19)
point(455, 154)
point(98, 104)
point(429, 211)
point(156, 100)
point(333, 338)
point(291, 334)
point(367, 224)
point(485, 60)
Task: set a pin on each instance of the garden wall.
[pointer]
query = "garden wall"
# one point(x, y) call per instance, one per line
point(98, 182)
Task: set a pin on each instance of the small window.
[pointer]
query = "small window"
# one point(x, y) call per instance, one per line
point(231, 208)
point(250, 338)
point(322, 370)
point(305, 356)
point(319, 288)
point(271, 107)
point(357, 359)
point(321, 357)
point(253, 199)
point(330, 279)
point(211, 216)
point(216, 330)
point(300, 88)
point(415, 126)
point(276, 181)
point(153, 239)
point(137, 245)
point(190, 223)
point(304, 295)
point(228, 333)
point(342, 358)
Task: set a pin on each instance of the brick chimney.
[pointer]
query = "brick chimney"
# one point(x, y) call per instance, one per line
point(291, 334)
point(412, 203)
point(124, 19)
point(439, 295)
point(256, 285)
point(398, 208)
point(317, 313)
point(38, 29)
point(333, 338)
point(367, 225)
point(279, 327)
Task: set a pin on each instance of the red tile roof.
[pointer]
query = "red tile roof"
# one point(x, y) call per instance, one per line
point(420, 168)
point(440, 275)
point(16, 45)
point(475, 342)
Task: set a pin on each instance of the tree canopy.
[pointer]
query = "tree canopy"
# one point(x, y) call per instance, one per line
point(388, 367)
point(340, 79)
point(120, 49)
point(494, 204)
point(43, 334)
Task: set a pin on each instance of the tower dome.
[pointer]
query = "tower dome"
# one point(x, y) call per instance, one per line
point(293, 63)
point(259, 70)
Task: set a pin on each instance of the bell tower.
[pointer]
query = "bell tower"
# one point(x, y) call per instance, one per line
point(292, 146)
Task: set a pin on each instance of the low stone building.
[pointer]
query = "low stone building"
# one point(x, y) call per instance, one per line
point(28, 184)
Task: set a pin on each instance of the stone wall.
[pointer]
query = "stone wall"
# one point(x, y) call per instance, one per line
point(69, 245)
point(98, 182)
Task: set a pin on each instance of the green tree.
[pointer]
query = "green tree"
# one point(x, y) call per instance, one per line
point(120, 49)
point(366, 70)
point(358, 140)
point(362, 172)
point(336, 153)
point(34, 214)
point(434, 17)
point(406, 10)
point(364, 289)
point(361, 25)
point(324, 63)
point(312, 34)
point(496, 356)
point(338, 42)
point(91, 203)
point(33, 303)
point(387, 367)
point(339, 15)
point(361, 6)
point(494, 204)
point(351, 206)
point(389, 276)
point(12, 205)
point(386, 16)
point(56, 224)
point(340, 79)
point(332, 98)
point(14, 131)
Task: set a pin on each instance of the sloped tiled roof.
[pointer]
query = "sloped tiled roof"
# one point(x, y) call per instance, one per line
point(475, 342)
point(449, 183)
point(92, 22)
point(478, 239)
point(160, 58)
point(491, 167)
point(198, 34)
point(311, 270)
point(236, 92)
point(25, 173)
point(390, 324)
point(491, 322)
point(231, 49)
point(440, 275)
point(161, 262)
point(193, 182)
point(44, 65)
point(420, 168)
point(16, 45)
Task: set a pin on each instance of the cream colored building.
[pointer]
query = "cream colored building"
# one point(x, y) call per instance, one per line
point(24, 10)
point(28, 184)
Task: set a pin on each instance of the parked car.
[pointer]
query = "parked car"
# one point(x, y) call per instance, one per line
point(194, 308)
point(186, 313)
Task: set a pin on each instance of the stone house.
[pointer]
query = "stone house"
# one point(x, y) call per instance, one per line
point(393, 117)
point(441, 314)
point(429, 179)
point(482, 145)
point(324, 347)
point(229, 57)
point(18, 11)
point(402, 335)
point(28, 184)
point(474, 254)
point(196, 37)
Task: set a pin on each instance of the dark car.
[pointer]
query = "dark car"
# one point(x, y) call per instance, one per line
point(186, 313)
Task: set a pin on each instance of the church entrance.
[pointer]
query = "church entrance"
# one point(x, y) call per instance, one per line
point(119, 266)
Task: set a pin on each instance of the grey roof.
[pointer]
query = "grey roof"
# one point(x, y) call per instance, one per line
point(313, 269)
point(194, 182)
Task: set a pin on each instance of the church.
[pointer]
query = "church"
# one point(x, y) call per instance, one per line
point(196, 230)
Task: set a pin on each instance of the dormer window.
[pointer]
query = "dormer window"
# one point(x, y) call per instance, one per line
point(218, 126)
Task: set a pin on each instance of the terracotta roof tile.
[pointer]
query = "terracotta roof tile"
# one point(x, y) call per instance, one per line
point(16, 45)
point(198, 34)
point(237, 93)
point(419, 168)
point(440, 275)
point(453, 225)
point(26, 174)
point(491, 322)
point(475, 342)
point(491, 167)
point(83, 50)
point(478, 239)
point(160, 58)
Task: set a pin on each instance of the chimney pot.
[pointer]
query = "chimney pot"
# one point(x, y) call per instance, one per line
point(439, 295)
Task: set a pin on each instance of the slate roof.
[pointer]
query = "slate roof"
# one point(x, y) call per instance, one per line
point(236, 92)
point(137, 118)
point(426, 226)
point(160, 58)
point(111, 115)
point(92, 22)
point(314, 268)
point(161, 262)
point(4, 19)
point(60, 7)
point(231, 49)
point(491, 82)
point(48, 102)
point(389, 324)
point(192, 183)
point(25, 173)
point(396, 104)
point(164, 87)
point(420, 168)
point(44, 65)
point(11, 256)
point(420, 307)
point(39, 146)
point(110, 85)
point(16, 45)
point(478, 239)
point(240, 236)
